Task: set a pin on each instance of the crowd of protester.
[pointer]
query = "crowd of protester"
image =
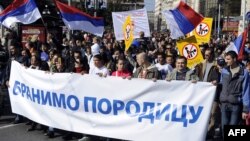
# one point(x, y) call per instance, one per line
point(154, 58)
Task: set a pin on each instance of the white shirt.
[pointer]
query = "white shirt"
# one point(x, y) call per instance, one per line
point(95, 49)
point(164, 69)
point(96, 71)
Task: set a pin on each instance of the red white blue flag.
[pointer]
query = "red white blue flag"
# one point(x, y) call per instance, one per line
point(75, 19)
point(182, 20)
point(239, 44)
point(23, 11)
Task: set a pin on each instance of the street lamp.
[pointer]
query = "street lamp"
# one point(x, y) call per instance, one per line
point(218, 32)
point(135, 1)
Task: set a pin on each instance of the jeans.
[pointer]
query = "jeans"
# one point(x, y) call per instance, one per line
point(230, 114)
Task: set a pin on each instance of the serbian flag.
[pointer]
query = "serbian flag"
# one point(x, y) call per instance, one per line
point(238, 45)
point(75, 19)
point(182, 20)
point(23, 11)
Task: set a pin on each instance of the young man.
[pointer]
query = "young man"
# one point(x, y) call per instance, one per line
point(99, 68)
point(14, 55)
point(235, 91)
point(162, 66)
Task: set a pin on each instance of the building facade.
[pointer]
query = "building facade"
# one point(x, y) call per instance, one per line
point(245, 7)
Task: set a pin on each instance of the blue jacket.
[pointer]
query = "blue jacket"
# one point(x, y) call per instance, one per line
point(246, 93)
point(236, 89)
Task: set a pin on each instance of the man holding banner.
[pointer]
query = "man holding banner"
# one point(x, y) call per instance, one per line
point(146, 70)
point(209, 72)
point(137, 109)
point(182, 72)
point(14, 55)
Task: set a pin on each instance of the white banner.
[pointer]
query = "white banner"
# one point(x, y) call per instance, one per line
point(139, 18)
point(140, 110)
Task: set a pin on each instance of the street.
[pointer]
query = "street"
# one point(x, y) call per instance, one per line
point(16, 132)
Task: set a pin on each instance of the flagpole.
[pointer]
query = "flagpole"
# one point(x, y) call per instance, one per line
point(218, 29)
point(244, 15)
point(71, 31)
point(95, 7)
point(1, 26)
point(69, 3)
point(45, 25)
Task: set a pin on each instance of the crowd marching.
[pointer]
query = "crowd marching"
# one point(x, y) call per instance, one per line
point(154, 58)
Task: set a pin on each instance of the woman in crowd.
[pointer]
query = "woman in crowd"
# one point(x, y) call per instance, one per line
point(121, 70)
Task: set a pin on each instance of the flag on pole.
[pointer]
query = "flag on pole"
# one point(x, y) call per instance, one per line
point(128, 32)
point(182, 20)
point(75, 19)
point(190, 49)
point(23, 11)
point(239, 44)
